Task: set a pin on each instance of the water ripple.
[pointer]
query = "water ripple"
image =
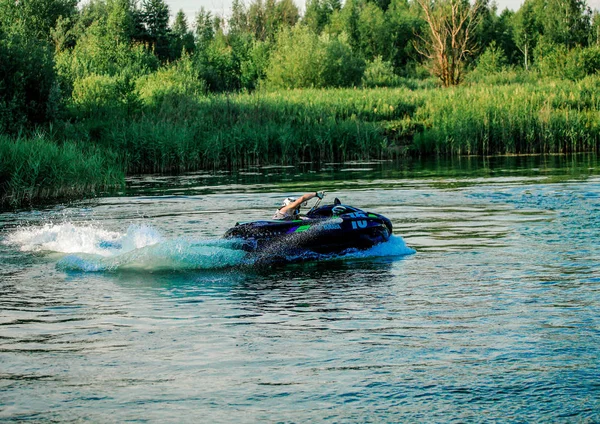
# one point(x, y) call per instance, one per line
point(494, 319)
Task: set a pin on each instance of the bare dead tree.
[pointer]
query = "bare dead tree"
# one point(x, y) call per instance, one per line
point(448, 40)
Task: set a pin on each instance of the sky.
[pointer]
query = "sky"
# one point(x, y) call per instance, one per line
point(222, 7)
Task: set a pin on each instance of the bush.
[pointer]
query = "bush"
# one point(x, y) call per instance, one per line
point(492, 60)
point(590, 60)
point(179, 79)
point(103, 95)
point(302, 59)
point(556, 61)
point(380, 73)
point(503, 77)
point(297, 60)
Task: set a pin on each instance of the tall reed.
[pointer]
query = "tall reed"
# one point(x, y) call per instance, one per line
point(552, 117)
point(38, 169)
point(179, 132)
point(350, 124)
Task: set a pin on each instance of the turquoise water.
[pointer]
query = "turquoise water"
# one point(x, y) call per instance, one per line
point(132, 308)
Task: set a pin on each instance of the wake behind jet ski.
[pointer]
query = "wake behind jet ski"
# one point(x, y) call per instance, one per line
point(327, 229)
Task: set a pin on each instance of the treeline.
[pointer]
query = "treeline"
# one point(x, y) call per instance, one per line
point(118, 53)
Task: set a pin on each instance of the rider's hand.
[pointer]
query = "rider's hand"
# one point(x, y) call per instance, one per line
point(320, 194)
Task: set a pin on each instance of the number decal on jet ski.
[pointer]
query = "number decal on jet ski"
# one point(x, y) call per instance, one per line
point(359, 224)
point(357, 215)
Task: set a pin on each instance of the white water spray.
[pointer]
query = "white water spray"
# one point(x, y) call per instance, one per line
point(89, 248)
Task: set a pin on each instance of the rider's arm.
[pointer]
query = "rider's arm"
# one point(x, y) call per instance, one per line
point(298, 202)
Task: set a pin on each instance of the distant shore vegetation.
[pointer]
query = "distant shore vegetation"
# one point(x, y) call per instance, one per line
point(92, 92)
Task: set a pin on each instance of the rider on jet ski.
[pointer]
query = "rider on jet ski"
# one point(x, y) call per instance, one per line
point(290, 208)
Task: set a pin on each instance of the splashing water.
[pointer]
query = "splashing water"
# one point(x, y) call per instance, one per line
point(89, 248)
point(70, 238)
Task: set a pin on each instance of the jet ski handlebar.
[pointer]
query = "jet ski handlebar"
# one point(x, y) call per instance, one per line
point(318, 202)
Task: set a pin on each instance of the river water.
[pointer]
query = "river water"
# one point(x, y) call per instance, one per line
point(484, 305)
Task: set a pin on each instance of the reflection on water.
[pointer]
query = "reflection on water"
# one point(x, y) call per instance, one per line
point(493, 319)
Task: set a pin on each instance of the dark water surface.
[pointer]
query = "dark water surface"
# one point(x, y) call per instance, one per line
point(132, 308)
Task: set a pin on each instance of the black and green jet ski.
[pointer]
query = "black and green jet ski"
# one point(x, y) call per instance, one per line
point(327, 229)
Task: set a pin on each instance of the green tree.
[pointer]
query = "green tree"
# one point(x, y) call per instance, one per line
point(505, 38)
point(566, 22)
point(286, 14)
point(120, 20)
point(343, 68)
point(346, 21)
point(180, 26)
point(238, 22)
point(247, 59)
point(494, 28)
point(404, 21)
point(218, 65)
point(257, 19)
point(302, 58)
point(526, 30)
point(27, 80)
point(492, 60)
point(595, 29)
point(486, 30)
point(36, 17)
point(375, 33)
point(205, 31)
point(254, 68)
point(266, 18)
point(99, 52)
point(318, 13)
point(155, 16)
point(182, 37)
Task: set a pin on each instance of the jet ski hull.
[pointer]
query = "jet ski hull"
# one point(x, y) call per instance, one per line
point(321, 231)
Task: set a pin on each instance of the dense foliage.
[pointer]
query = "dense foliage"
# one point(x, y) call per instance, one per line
point(268, 43)
point(119, 81)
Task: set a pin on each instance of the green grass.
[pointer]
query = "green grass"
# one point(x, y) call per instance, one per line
point(37, 169)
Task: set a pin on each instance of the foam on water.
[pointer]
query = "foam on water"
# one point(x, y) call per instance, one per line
point(89, 239)
point(176, 254)
point(89, 248)
point(395, 246)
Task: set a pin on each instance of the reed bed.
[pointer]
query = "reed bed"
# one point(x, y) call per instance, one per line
point(552, 117)
point(230, 131)
point(184, 133)
point(336, 125)
point(37, 169)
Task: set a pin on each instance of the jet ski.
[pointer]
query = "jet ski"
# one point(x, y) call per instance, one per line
point(327, 229)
